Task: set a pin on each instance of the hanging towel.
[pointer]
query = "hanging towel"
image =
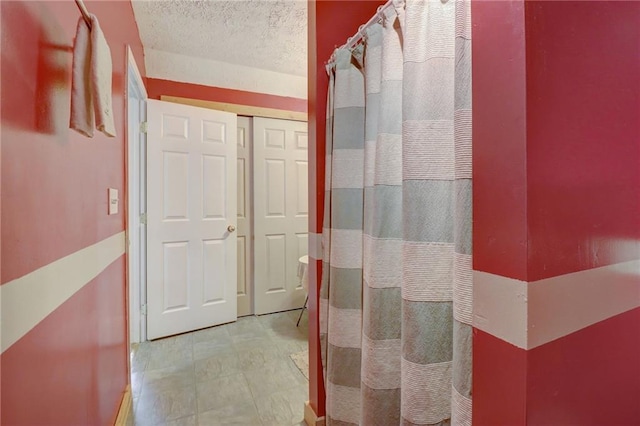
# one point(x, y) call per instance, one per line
point(91, 104)
point(101, 72)
point(82, 119)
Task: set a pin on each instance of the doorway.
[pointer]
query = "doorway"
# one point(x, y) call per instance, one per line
point(266, 354)
point(268, 244)
point(136, 97)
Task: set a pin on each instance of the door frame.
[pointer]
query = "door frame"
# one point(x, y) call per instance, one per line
point(136, 294)
point(135, 179)
point(250, 112)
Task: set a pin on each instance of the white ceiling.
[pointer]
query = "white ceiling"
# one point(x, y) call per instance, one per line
point(259, 34)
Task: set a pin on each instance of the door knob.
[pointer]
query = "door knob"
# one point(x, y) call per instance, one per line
point(231, 228)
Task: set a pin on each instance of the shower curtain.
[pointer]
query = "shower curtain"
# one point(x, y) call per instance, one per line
point(395, 307)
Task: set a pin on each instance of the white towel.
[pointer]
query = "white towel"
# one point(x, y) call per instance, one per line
point(91, 104)
point(82, 118)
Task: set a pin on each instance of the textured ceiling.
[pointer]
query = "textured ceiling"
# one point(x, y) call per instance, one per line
point(264, 34)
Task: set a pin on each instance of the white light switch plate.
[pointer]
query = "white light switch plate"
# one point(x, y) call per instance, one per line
point(113, 201)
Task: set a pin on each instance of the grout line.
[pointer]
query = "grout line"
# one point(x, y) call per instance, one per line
point(253, 398)
point(195, 378)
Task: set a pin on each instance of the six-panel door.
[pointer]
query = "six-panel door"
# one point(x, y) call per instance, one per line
point(191, 215)
point(245, 247)
point(280, 212)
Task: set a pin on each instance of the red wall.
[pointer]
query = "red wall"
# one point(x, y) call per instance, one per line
point(583, 179)
point(590, 377)
point(556, 133)
point(499, 138)
point(583, 135)
point(331, 22)
point(157, 87)
point(72, 367)
point(499, 382)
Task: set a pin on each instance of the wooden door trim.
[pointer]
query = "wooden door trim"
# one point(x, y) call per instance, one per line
point(125, 412)
point(248, 110)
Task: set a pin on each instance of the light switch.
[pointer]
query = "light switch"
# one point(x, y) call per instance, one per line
point(113, 201)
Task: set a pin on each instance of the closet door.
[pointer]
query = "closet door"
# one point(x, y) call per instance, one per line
point(280, 212)
point(245, 259)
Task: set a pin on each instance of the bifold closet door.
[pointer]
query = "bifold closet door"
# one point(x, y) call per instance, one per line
point(245, 258)
point(280, 212)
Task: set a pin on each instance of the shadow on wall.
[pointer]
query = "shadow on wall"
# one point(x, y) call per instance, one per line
point(44, 57)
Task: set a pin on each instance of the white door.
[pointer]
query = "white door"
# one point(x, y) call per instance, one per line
point(245, 259)
point(191, 218)
point(136, 205)
point(280, 212)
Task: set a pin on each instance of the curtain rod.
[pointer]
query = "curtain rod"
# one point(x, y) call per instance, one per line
point(359, 35)
point(84, 12)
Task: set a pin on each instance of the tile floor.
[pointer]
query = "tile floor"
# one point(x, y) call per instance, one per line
point(233, 374)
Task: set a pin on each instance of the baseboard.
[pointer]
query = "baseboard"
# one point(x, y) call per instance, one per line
point(310, 417)
point(125, 411)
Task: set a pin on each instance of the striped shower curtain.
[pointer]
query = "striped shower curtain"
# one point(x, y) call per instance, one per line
point(395, 307)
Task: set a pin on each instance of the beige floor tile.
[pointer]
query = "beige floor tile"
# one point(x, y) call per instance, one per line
point(217, 366)
point(215, 346)
point(166, 378)
point(222, 392)
point(170, 356)
point(288, 346)
point(242, 414)
point(250, 341)
point(272, 377)
point(257, 357)
point(283, 407)
point(183, 421)
point(158, 406)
